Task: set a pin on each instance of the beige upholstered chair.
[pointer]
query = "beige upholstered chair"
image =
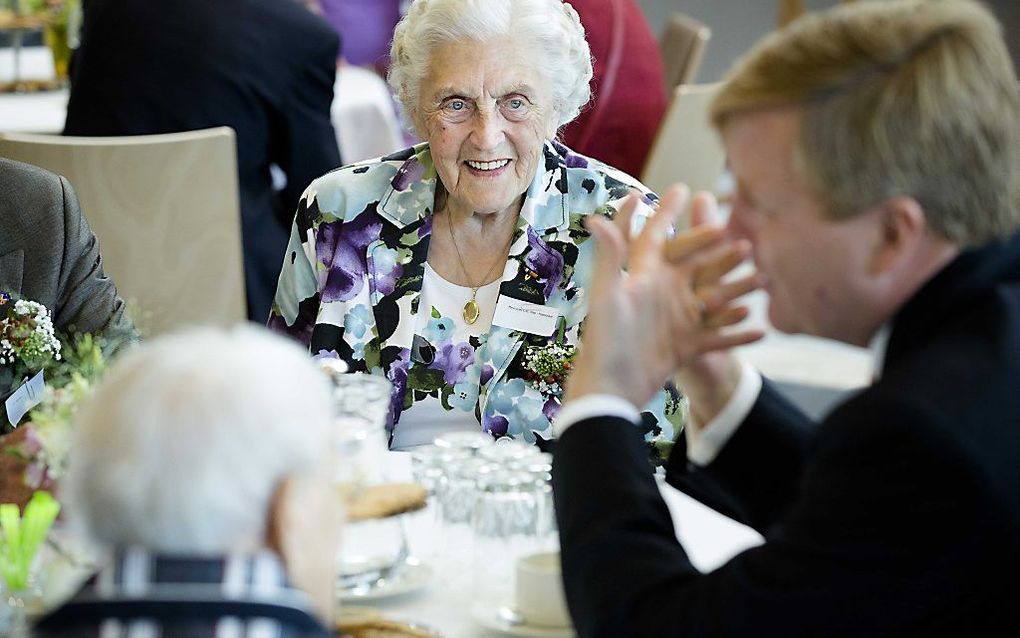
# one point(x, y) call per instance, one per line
point(686, 148)
point(682, 47)
point(165, 209)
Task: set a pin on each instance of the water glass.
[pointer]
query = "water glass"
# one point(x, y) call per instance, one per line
point(464, 440)
point(506, 522)
point(361, 404)
point(430, 466)
point(508, 451)
point(539, 468)
point(456, 499)
point(361, 407)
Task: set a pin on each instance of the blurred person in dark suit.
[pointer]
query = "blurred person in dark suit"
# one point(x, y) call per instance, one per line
point(876, 155)
point(265, 68)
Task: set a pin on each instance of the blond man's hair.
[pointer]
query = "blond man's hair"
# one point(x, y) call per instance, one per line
point(913, 98)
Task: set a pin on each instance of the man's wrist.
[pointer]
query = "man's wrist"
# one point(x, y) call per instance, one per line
point(704, 444)
point(593, 405)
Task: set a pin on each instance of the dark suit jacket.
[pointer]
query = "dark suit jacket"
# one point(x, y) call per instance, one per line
point(49, 254)
point(265, 68)
point(899, 514)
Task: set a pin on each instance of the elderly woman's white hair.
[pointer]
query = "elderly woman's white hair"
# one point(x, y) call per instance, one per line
point(184, 442)
point(552, 25)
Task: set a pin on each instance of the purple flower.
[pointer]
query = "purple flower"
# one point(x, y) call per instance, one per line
point(408, 173)
point(487, 372)
point(426, 228)
point(453, 359)
point(340, 247)
point(36, 475)
point(576, 161)
point(543, 263)
point(383, 262)
point(397, 374)
point(551, 408)
point(31, 445)
point(304, 323)
point(496, 425)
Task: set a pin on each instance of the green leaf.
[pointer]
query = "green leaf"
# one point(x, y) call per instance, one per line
point(421, 377)
point(435, 313)
point(372, 354)
point(23, 535)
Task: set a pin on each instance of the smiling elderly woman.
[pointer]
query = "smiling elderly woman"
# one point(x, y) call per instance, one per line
point(458, 268)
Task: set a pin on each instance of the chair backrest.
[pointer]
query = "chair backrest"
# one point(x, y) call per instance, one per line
point(682, 47)
point(165, 209)
point(686, 148)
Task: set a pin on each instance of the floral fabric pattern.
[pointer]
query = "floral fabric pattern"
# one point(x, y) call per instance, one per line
point(352, 279)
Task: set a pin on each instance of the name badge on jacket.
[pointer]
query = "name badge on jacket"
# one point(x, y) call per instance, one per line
point(524, 316)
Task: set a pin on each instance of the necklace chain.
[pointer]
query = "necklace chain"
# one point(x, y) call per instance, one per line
point(470, 311)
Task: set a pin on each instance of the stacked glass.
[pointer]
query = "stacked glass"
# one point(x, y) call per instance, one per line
point(373, 551)
point(492, 504)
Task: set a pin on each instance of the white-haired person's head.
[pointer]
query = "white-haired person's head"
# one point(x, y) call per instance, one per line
point(552, 28)
point(209, 442)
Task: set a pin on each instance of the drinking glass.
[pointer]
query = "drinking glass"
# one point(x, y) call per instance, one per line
point(539, 468)
point(456, 500)
point(375, 548)
point(430, 466)
point(505, 452)
point(462, 440)
point(361, 404)
point(505, 523)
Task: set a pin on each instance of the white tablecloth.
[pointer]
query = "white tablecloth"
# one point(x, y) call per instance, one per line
point(709, 539)
point(363, 113)
point(444, 603)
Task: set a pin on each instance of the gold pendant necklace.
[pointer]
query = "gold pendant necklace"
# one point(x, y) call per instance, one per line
point(471, 308)
point(470, 311)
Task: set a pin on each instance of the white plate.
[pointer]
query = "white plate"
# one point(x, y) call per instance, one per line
point(487, 615)
point(414, 575)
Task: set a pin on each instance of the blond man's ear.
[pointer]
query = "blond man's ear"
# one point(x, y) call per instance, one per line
point(303, 527)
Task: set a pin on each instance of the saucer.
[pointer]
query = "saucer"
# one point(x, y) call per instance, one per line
point(412, 576)
point(487, 615)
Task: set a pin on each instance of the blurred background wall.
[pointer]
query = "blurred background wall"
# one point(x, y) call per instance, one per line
point(736, 24)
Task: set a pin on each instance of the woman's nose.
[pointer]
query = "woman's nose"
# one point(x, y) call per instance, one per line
point(488, 130)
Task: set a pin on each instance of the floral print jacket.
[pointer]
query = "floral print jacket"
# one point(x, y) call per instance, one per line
point(352, 280)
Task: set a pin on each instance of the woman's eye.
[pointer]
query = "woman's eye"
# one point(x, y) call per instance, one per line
point(456, 105)
point(516, 103)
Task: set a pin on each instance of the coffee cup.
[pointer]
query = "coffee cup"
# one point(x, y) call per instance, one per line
point(539, 591)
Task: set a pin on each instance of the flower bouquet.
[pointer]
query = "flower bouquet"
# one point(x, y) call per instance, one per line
point(27, 339)
point(34, 456)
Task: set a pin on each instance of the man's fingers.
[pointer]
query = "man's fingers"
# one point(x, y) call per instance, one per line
point(670, 208)
point(735, 255)
point(684, 245)
point(725, 341)
point(647, 252)
point(728, 316)
point(719, 295)
point(610, 254)
point(624, 217)
point(703, 207)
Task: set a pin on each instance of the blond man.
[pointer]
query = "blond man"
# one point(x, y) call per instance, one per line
point(876, 150)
